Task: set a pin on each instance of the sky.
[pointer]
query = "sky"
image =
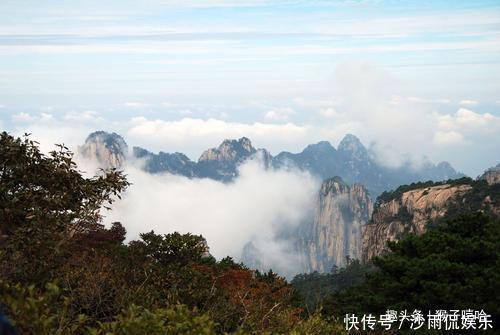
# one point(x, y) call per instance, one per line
point(412, 79)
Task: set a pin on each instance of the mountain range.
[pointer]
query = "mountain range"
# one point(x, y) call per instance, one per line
point(350, 160)
point(344, 222)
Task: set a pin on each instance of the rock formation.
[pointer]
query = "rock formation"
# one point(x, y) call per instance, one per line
point(335, 231)
point(408, 213)
point(492, 175)
point(108, 150)
point(411, 208)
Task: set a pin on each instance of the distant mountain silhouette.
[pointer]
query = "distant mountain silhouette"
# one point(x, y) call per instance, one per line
point(350, 160)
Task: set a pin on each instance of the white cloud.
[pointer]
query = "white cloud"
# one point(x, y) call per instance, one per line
point(328, 112)
point(85, 116)
point(193, 135)
point(2, 106)
point(416, 100)
point(46, 117)
point(468, 102)
point(317, 102)
point(253, 207)
point(279, 114)
point(465, 125)
point(133, 104)
point(465, 119)
point(167, 104)
point(445, 138)
point(22, 117)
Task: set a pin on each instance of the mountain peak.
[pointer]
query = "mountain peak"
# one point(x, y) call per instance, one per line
point(492, 175)
point(108, 149)
point(353, 145)
point(334, 185)
point(321, 147)
point(230, 150)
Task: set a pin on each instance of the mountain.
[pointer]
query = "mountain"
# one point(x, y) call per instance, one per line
point(327, 238)
point(355, 164)
point(350, 160)
point(335, 232)
point(222, 163)
point(219, 163)
point(492, 175)
point(176, 163)
point(413, 208)
point(109, 150)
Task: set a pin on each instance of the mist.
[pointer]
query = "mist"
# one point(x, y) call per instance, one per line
point(256, 206)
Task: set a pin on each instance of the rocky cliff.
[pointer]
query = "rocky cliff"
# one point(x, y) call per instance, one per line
point(411, 208)
point(335, 231)
point(407, 213)
point(109, 150)
point(492, 175)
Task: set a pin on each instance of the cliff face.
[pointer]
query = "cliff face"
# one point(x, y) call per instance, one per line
point(335, 231)
point(108, 150)
point(408, 213)
point(492, 176)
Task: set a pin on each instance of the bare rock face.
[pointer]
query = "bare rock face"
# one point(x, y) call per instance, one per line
point(407, 213)
point(492, 176)
point(109, 150)
point(229, 150)
point(335, 232)
point(222, 163)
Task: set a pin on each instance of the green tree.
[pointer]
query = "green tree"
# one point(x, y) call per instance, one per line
point(453, 266)
point(45, 201)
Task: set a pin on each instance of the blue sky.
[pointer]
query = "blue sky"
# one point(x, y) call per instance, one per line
point(410, 78)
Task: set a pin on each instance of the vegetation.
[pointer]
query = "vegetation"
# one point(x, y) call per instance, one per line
point(62, 272)
point(453, 266)
point(314, 287)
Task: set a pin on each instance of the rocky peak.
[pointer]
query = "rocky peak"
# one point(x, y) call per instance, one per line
point(108, 149)
point(333, 186)
point(335, 231)
point(229, 150)
point(492, 175)
point(350, 144)
point(322, 147)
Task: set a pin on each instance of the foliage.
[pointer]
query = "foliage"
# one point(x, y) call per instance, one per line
point(318, 325)
point(178, 320)
point(453, 266)
point(45, 202)
point(63, 272)
point(51, 232)
point(314, 287)
point(34, 311)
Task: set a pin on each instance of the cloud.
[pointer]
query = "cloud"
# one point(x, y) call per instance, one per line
point(134, 104)
point(2, 106)
point(445, 138)
point(167, 104)
point(465, 125)
point(467, 120)
point(192, 135)
point(468, 102)
point(327, 112)
point(85, 116)
point(22, 117)
point(279, 114)
point(254, 207)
